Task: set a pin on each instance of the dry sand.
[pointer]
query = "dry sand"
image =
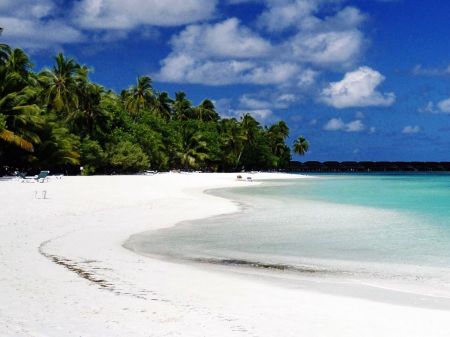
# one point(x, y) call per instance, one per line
point(64, 272)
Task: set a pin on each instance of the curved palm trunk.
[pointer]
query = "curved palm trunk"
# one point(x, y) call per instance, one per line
point(239, 158)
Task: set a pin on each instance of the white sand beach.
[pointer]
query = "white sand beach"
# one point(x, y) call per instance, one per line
point(64, 271)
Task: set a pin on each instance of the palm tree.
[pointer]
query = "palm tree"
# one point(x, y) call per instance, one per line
point(193, 149)
point(232, 140)
point(20, 117)
point(206, 111)
point(139, 96)
point(12, 138)
point(182, 107)
point(89, 117)
point(60, 85)
point(277, 136)
point(162, 105)
point(301, 146)
point(58, 146)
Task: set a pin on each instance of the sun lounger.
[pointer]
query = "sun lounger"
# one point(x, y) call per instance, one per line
point(42, 176)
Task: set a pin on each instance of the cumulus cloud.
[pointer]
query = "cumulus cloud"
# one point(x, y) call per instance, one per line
point(264, 100)
point(334, 40)
point(119, 14)
point(357, 89)
point(37, 34)
point(227, 39)
point(337, 124)
point(326, 49)
point(228, 52)
point(185, 68)
point(410, 129)
point(35, 25)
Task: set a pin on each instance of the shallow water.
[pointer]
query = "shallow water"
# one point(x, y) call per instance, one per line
point(373, 227)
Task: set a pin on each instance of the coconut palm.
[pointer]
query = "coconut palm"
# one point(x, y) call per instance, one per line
point(182, 107)
point(60, 85)
point(20, 116)
point(162, 105)
point(301, 146)
point(193, 149)
point(277, 136)
point(206, 111)
point(139, 96)
point(232, 140)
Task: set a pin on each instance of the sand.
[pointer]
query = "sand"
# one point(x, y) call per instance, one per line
point(64, 271)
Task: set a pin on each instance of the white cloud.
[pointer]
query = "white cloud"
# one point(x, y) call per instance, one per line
point(185, 68)
point(261, 115)
point(442, 107)
point(337, 124)
point(228, 52)
point(326, 49)
point(38, 34)
point(281, 15)
point(419, 70)
point(35, 24)
point(372, 129)
point(119, 14)
point(410, 129)
point(27, 9)
point(227, 39)
point(428, 108)
point(330, 41)
point(357, 89)
point(265, 100)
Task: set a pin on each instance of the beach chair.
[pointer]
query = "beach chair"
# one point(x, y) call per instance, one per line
point(42, 176)
point(23, 177)
point(249, 179)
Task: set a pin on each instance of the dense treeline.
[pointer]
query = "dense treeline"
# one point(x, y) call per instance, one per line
point(58, 119)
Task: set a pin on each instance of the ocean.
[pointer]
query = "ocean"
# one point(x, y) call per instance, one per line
point(389, 230)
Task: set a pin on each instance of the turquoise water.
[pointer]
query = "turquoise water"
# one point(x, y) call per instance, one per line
point(378, 224)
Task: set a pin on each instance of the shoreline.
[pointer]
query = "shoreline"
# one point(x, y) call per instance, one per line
point(347, 278)
point(86, 220)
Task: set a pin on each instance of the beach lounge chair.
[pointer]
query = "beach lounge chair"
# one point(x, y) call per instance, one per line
point(42, 176)
point(23, 177)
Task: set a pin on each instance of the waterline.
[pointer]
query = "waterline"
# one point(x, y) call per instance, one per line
point(391, 232)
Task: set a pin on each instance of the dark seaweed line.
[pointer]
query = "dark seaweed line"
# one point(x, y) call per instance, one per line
point(268, 266)
point(89, 276)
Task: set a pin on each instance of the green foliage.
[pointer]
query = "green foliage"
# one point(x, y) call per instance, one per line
point(2, 122)
point(93, 157)
point(58, 119)
point(127, 157)
point(301, 146)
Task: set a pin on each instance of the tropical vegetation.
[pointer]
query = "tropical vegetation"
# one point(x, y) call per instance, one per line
point(58, 119)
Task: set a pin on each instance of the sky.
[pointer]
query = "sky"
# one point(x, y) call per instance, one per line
point(360, 79)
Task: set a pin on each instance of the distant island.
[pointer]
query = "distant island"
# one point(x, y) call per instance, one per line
point(58, 120)
point(368, 166)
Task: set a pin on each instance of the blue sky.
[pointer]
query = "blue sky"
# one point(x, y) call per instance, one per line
point(361, 79)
